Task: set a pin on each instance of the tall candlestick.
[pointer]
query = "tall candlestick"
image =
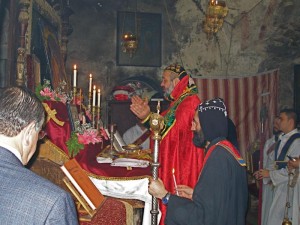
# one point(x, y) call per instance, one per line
point(80, 99)
point(90, 84)
point(99, 97)
point(94, 95)
point(174, 179)
point(74, 76)
point(98, 118)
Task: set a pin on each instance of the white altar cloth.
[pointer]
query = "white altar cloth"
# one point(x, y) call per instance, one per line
point(128, 189)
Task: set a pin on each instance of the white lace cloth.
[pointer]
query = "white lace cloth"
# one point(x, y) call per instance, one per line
point(128, 189)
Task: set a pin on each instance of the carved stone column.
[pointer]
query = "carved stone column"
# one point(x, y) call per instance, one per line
point(23, 23)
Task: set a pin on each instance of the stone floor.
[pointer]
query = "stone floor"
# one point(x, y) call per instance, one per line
point(252, 215)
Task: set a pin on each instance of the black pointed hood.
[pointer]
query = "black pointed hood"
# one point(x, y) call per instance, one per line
point(213, 119)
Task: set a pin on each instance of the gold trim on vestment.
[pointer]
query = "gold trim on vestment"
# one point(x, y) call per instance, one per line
point(167, 131)
point(147, 118)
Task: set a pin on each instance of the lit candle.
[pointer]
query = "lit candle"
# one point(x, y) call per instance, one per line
point(74, 76)
point(91, 81)
point(94, 95)
point(175, 184)
point(99, 97)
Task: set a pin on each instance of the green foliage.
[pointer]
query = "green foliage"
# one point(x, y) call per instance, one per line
point(74, 146)
point(38, 90)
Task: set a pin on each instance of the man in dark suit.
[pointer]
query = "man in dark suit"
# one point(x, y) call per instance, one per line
point(26, 198)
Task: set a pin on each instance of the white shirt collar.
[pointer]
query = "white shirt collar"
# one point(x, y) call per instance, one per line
point(12, 150)
point(289, 134)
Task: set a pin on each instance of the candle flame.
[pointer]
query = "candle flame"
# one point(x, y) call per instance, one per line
point(94, 87)
point(91, 75)
point(99, 90)
point(75, 67)
point(173, 170)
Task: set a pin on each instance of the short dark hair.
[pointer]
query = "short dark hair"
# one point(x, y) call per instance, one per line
point(291, 114)
point(18, 108)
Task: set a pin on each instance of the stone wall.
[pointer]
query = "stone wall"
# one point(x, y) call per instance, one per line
point(257, 36)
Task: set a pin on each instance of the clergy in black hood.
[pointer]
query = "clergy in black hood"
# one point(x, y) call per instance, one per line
point(213, 122)
point(220, 195)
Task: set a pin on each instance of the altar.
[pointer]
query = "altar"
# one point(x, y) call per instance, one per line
point(118, 182)
point(128, 185)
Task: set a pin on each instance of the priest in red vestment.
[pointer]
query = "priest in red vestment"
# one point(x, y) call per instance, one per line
point(177, 152)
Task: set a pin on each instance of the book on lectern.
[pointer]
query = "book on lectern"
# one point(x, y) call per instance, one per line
point(83, 184)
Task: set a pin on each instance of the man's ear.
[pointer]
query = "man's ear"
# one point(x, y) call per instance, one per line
point(176, 81)
point(28, 132)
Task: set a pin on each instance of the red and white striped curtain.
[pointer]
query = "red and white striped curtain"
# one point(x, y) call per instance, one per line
point(251, 103)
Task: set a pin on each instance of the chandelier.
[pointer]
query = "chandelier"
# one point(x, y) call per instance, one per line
point(129, 39)
point(215, 14)
point(129, 43)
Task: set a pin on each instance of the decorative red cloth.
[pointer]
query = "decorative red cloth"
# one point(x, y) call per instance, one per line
point(59, 134)
point(176, 148)
point(55, 132)
point(112, 212)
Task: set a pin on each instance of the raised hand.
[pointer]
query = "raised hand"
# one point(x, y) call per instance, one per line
point(139, 107)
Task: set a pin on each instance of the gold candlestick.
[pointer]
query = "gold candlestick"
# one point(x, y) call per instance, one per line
point(98, 118)
point(93, 116)
point(90, 100)
point(80, 99)
point(74, 95)
point(112, 139)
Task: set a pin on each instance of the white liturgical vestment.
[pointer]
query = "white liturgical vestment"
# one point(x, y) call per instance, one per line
point(279, 180)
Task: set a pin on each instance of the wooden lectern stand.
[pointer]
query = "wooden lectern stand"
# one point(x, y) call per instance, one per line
point(89, 197)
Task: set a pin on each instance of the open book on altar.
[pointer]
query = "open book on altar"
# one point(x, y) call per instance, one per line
point(83, 185)
point(118, 141)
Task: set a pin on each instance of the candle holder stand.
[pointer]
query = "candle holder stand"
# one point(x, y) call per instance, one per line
point(112, 139)
point(90, 100)
point(80, 100)
point(98, 118)
point(93, 116)
point(74, 95)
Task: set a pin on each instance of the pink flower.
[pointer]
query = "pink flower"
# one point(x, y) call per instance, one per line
point(62, 97)
point(89, 136)
point(47, 92)
point(81, 139)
